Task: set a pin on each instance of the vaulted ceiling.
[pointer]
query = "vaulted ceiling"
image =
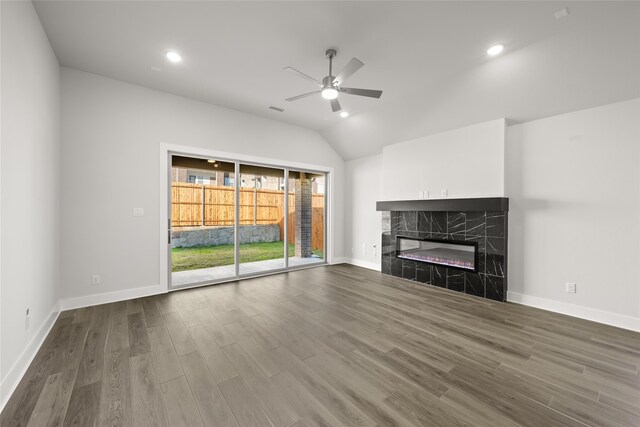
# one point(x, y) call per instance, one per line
point(428, 57)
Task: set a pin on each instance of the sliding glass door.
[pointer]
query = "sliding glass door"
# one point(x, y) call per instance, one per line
point(306, 218)
point(261, 221)
point(202, 221)
point(231, 220)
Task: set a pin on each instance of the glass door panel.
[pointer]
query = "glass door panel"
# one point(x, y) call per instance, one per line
point(306, 218)
point(261, 219)
point(202, 221)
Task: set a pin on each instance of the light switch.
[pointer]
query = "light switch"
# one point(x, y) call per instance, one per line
point(138, 212)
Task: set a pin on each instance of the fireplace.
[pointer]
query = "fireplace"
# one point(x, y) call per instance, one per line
point(457, 244)
point(451, 254)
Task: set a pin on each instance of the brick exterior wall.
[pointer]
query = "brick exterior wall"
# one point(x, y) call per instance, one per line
point(303, 216)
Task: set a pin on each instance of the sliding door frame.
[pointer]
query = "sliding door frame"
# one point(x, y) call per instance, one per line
point(286, 219)
point(166, 153)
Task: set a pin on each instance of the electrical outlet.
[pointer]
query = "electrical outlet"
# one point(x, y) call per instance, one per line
point(95, 279)
point(571, 287)
point(374, 250)
point(421, 194)
point(364, 249)
point(138, 212)
point(445, 192)
point(426, 194)
point(26, 320)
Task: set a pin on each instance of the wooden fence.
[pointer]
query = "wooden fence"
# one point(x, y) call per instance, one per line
point(198, 205)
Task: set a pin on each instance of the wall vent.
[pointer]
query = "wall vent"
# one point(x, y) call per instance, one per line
point(279, 110)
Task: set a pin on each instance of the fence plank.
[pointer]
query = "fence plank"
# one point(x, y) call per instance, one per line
point(190, 201)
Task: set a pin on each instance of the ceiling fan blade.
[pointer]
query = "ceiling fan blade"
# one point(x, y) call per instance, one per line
point(353, 66)
point(361, 92)
point(335, 105)
point(304, 95)
point(303, 75)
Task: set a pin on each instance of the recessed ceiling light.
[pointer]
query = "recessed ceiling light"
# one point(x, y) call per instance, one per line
point(211, 160)
point(561, 13)
point(174, 56)
point(344, 114)
point(496, 49)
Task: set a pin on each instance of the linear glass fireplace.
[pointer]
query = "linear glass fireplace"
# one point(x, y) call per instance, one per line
point(448, 253)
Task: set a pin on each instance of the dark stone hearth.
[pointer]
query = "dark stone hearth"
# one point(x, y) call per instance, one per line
point(487, 228)
point(495, 287)
point(396, 267)
point(423, 273)
point(474, 284)
point(455, 280)
point(439, 276)
point(495, 265)
point(408, 269)
point(386, 265)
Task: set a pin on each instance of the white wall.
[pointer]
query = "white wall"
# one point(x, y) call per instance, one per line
point(111, 136)
point(363, 188)
point(30, 156)
point(447, 160)
point(574, 186)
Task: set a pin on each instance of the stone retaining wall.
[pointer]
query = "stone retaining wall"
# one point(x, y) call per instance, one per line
point(200, 236)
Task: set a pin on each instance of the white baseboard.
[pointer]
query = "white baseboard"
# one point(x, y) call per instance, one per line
point(107, 297)
point(17, 371)
point(359, 263)
point(600, 316)
point(340, 260)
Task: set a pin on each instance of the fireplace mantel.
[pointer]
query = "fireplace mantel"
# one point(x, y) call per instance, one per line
point(495, 204)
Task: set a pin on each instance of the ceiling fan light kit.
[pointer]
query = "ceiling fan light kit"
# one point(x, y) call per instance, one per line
point(329, 93)
point(331, 86)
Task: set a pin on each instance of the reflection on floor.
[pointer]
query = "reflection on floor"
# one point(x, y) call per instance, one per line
point(181, 278)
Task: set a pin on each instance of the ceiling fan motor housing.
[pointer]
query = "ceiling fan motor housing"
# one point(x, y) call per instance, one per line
point(328, 81)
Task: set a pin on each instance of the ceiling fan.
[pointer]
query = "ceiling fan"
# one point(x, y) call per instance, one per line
point(332, 86)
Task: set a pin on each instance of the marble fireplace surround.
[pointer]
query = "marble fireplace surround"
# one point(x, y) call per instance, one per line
point(482, 220)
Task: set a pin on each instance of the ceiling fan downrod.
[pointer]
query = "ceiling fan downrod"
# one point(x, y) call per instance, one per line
point(330, 54)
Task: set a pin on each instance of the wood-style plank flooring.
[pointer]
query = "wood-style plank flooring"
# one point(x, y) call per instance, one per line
point(328, 346)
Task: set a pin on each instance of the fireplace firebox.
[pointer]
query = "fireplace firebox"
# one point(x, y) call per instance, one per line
point(448, 253)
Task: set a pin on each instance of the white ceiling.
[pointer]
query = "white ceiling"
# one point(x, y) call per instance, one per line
point(428, 57)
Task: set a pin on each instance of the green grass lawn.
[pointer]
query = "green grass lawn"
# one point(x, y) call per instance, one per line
point(213, 256)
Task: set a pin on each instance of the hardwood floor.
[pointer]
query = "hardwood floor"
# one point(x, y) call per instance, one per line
point(328, 346)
